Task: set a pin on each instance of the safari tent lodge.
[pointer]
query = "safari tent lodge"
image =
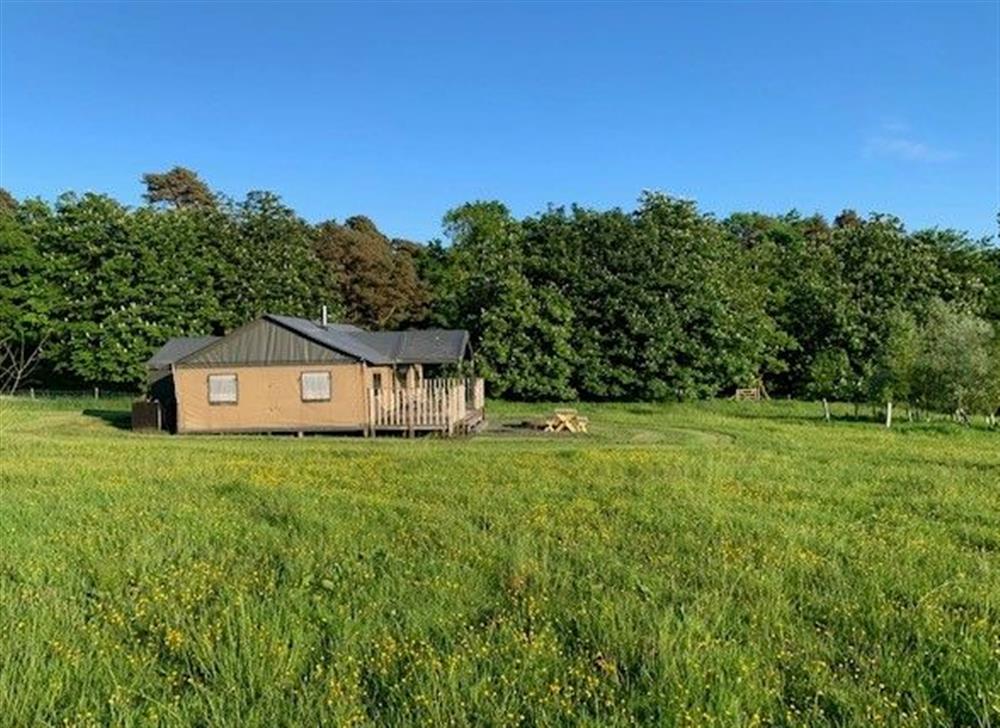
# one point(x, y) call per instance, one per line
point(286, 374)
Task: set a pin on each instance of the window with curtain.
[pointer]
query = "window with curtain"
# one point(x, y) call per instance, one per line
point(315, 386)
point(222, 389)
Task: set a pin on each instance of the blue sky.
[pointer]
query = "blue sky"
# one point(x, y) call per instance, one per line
point(401, 111)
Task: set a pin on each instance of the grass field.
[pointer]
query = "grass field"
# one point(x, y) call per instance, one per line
point(701, 564)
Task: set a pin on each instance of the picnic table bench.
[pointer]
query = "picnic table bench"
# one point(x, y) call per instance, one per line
point(566, 420)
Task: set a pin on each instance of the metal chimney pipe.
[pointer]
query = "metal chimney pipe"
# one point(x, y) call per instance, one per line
point(324, 316)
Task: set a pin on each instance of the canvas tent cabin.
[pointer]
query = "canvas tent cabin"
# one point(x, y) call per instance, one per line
point(286, 374)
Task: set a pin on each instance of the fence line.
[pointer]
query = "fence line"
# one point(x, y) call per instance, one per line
point(93, 393)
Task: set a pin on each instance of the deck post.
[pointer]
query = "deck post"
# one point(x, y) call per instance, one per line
point(409, 401)
point(369, 409)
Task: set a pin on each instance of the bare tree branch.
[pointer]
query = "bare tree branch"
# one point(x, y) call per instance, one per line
point(18, 358)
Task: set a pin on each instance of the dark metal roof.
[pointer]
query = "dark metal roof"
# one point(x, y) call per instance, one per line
point(343, 327)
point(336, 337)
point(428, 346)
point(178, 348)
point(263, 341)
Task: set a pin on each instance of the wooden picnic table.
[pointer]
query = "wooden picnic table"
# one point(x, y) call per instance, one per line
point(566, 420)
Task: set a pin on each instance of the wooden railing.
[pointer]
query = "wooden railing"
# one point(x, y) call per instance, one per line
point(434, 404)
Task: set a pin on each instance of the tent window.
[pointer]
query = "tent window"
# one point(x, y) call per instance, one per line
point(222, 389)
point(377, 380)
point(315, 386)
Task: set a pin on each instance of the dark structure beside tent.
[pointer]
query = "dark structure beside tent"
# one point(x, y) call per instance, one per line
point(160, 377)
point(147, 415)
point(281, 373)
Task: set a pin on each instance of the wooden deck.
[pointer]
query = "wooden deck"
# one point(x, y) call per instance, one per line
point(450, 406)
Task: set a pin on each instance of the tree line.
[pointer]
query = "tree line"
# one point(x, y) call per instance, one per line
point(660, 302)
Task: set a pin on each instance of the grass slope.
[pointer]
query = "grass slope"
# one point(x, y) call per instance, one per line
point(701, 564)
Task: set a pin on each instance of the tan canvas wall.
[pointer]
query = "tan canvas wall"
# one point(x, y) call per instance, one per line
point(269, 398)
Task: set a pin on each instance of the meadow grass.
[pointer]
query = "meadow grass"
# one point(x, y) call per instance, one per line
point(698, 564)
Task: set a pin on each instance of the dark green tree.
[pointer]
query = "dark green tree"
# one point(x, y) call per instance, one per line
point(433, 263)
point(884, 270)
point(99, 334)
point(27, 295)
point(894, 375)
point(269, 265)
point(376, 278)
point(526, 348)
point(521, 330)
point(660, 302)
point(128, 280)
point(27, 298)
point(830, 376)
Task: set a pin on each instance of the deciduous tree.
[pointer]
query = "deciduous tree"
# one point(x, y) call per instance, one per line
point(178, 187)
point(376, 278)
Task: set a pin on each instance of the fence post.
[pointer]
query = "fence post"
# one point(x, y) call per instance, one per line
point(410, 406)
point(97, 392)
point(32, 390)
point(368, 412)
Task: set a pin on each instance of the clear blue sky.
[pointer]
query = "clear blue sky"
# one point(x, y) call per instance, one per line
point(400, 111)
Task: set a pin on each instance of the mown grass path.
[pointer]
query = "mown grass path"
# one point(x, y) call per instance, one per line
point(703, 564)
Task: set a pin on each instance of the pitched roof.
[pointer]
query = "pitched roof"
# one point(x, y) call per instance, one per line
point(427, 346)
point(339, 337)
point(420, 346)
point(178, 348)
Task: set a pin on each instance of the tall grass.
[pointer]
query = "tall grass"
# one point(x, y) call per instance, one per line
point(702, 564)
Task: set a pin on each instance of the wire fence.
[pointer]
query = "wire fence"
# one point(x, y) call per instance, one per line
point(97, 393)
